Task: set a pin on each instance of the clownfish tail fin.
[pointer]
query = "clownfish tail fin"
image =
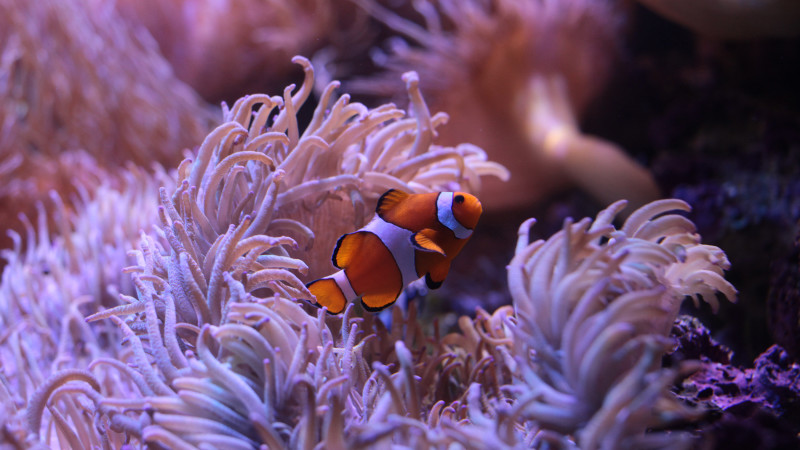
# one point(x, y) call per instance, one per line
point(328, 294)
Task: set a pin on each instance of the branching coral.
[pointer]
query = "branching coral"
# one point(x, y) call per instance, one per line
point(594, 308)
point(515, 77)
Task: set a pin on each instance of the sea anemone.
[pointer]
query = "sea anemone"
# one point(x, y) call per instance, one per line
point(515, 77)
point(54, 277)
point(195, 278)
point(594, 307)
point(253, 51)
point(210, 344)
point(30, 176)
point(343, 161)
point(77, 77)
point(84, 93)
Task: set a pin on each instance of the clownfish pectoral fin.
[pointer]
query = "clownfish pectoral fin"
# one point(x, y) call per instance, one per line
point(423, 240)
point(377, 302)
point(328, 294)
point(347, 247)
point(389, 200)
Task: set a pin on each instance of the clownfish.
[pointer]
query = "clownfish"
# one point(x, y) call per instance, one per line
point(411, 236)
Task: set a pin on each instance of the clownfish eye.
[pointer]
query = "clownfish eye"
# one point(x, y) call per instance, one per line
point(459, 199)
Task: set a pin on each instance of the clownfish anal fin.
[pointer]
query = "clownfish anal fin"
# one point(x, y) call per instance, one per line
point(389, 200)
point(423, 240)
point(432, 284)
point(377, 302)
point(347, 247)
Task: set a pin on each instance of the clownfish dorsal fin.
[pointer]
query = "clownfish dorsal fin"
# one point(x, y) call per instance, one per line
point(389, 200)
point(347, 247)
point(423, 240)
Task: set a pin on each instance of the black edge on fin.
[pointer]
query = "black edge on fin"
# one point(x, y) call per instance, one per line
point(335, 252)
point(381, 200)
point(389, 199)
point(375, 310)
point(334, 257)
point(311, 302)
point(432, 284)
point(315, 303)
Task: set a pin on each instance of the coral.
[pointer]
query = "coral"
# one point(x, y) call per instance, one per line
point(773, 383)
point(694, 342)
point(752, 400)
point(515, 78)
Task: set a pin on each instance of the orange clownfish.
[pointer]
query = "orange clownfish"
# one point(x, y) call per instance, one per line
point(411, 236)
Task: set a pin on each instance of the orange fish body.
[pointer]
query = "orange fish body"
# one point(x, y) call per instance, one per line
point(411, 236)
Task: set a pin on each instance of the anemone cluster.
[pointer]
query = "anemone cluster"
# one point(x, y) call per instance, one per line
point(516, 77)
point(180, 322)
point(84, 93)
